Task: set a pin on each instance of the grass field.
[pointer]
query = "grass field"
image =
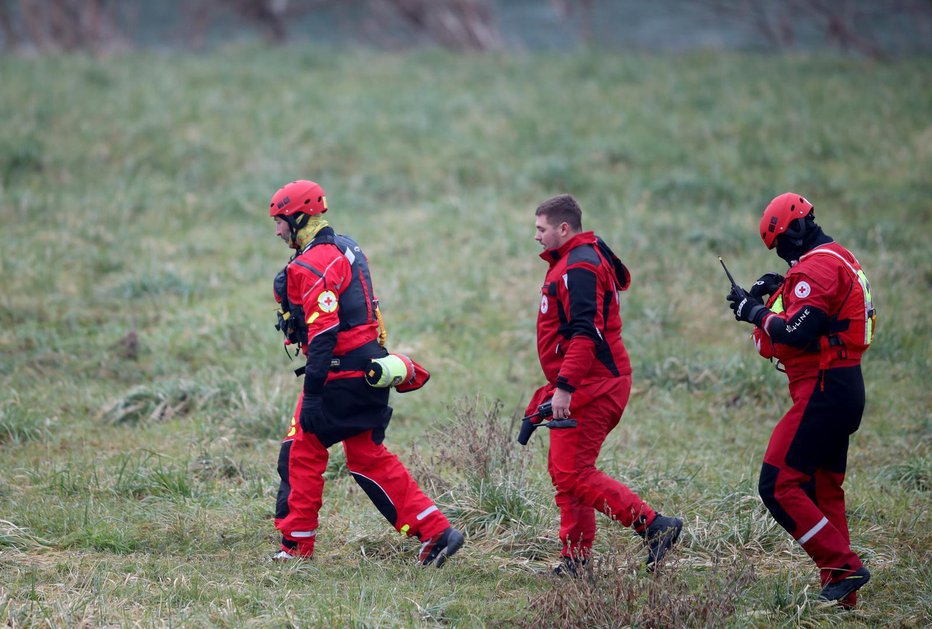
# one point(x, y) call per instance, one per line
point(143, 389)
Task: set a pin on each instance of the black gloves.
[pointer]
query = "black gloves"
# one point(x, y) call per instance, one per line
point(748, 305)
point(766, 284)
point(311, 411)
point(745, 306)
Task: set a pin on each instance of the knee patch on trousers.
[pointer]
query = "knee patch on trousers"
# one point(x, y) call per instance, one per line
point(766, 487)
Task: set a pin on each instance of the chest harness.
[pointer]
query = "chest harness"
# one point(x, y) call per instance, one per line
point(358, 305)
point(839, 337)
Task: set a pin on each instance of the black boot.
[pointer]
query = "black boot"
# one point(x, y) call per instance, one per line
point(661, 535)
point(839, 590)
point(436, 549)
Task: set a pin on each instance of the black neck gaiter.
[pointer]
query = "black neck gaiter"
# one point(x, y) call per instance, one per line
point(790, 252)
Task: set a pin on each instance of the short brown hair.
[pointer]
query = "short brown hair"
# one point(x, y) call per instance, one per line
point(562, 208)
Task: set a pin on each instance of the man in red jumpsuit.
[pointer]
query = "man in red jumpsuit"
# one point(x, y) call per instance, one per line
point(328, 308)
point(818, 322)
point(589, 379)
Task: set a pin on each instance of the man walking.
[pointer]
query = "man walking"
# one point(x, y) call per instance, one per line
point(818, 322)
point(329, 310)
point(589, 379)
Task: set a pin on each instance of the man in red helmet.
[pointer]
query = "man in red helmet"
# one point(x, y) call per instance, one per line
point(818, 321)
point(329, 310)
point(589, 379)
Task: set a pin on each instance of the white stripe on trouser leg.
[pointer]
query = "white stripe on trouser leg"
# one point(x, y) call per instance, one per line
point(382, 489)
point(426, 512)
point(303, 533)
point(815, 529)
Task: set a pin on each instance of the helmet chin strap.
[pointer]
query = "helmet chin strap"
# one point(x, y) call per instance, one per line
point(295, 224)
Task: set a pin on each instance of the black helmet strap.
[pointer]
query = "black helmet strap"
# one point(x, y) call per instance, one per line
point(296, 223)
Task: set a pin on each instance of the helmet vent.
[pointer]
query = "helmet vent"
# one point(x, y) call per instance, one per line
point(792, 207)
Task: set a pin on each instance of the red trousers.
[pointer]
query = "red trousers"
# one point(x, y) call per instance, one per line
point(386, 481)
point(804, 466)
point(581, 488)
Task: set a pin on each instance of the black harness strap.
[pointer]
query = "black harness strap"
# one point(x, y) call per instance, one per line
point(308, 267)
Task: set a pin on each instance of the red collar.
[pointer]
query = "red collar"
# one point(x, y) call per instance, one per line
point(582, 238)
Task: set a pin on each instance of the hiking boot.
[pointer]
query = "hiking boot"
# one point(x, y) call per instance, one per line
point(294, 549)
point(661, 535)
point(436, 549)
point(841, 589)
point(570, 567)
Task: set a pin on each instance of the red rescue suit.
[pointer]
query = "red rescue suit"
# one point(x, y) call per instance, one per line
point(820, 324)
point(581, 351)
point(330, 280)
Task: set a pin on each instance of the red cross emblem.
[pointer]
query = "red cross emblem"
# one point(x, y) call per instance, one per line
point(327, 301)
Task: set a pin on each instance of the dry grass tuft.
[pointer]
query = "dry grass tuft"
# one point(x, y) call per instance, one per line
point(615, 591)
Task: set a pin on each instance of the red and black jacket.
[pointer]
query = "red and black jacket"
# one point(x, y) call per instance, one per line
point(330, 280)
point(579, 322)
point(823, 314)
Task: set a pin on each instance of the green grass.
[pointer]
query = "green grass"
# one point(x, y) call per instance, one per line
point(143, 388)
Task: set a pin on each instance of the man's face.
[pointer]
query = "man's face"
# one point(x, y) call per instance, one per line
point(282, 230)
point(550, 236)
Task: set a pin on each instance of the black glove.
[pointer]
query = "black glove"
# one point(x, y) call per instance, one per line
point(766, 284)
point(746, 307)
point(311, 411)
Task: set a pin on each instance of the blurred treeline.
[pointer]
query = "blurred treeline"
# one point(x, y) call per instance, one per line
point(864, 27)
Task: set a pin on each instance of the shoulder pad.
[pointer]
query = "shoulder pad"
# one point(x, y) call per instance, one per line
point(349, 248)
point(583, 254)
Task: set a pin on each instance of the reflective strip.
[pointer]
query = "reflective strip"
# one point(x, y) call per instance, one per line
point(426, 512)
point(865, 290)
point(350, 256)
point(303, 533)
point(815, 529)
point(868, 307)
point(320, 279)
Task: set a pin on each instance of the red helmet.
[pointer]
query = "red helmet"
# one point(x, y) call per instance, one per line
point(780, 214)
point(298, 197)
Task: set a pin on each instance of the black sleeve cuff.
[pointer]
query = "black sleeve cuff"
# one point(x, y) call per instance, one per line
point(314, 385)
point(564, 385)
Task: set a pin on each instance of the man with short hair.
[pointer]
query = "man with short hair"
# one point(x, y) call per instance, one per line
point(329, 310)
point(589, 379)
point(817, 322)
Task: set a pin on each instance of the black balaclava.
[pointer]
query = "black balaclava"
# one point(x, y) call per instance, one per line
point(802, 235)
